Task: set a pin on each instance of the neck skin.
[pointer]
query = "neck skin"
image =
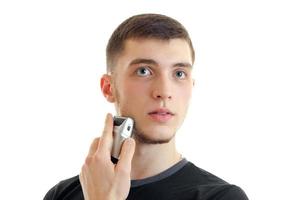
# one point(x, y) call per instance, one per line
point(151, 159)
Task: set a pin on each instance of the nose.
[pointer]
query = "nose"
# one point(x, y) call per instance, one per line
point(162, 89)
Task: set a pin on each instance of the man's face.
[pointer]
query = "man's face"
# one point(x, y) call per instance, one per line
point(152, 83)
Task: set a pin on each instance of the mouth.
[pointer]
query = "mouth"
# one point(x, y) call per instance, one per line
point(161, 115)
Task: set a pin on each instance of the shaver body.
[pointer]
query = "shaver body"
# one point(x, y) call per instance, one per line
point(122, 129)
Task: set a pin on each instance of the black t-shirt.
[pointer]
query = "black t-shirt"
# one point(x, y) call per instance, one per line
point(183, 181)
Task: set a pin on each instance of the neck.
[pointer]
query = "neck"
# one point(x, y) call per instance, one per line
point(151, 159)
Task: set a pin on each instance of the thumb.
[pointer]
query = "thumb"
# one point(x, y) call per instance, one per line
point(126, 155)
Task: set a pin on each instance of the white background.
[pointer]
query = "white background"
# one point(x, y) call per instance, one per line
point(243, 123)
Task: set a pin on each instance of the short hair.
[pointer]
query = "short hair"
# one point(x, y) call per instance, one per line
point(144, 26)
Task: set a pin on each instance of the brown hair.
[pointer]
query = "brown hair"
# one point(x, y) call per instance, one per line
point(154, 26)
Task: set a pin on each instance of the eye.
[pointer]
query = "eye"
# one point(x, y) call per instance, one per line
point(143, 71)
point(180, 74)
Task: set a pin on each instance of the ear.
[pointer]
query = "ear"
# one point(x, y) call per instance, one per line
point(106, 88)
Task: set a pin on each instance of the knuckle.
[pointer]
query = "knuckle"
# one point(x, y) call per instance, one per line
point(91, 159)
point(96, 140)
point(99, 158)
point(88, 160)
point(123, 171)
point(84, 169)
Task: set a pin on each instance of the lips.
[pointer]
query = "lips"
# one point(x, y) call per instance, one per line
point(161, 115)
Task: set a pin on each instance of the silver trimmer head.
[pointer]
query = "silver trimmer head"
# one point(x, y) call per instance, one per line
point(123, 127)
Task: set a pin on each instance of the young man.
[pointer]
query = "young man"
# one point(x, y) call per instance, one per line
point(149, 78)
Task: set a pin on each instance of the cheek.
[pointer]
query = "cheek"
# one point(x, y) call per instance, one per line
point(135, 89)
point(184, 97)
point(133, 94)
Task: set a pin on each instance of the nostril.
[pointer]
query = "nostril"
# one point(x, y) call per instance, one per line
point(159, 96)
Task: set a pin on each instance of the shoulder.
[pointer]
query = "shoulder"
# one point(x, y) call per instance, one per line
point(191, 172)
point(66, 189)
point(209, 186)
point(225, 192)
point(233, 192)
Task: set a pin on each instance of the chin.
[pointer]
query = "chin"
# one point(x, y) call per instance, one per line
point(154, 136)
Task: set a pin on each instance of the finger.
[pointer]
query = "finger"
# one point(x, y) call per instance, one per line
point(105, 144)
point(94, 146)
point(126, 155)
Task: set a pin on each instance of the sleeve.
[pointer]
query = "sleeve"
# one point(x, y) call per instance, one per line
point(233, 193)
point(50, 195)
point(70, 188)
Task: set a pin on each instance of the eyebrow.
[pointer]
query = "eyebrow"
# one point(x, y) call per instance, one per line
point(153, 62)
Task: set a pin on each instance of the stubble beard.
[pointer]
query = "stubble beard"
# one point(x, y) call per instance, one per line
point(144, 139)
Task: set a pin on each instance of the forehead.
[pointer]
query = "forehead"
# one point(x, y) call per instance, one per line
point(162, 51)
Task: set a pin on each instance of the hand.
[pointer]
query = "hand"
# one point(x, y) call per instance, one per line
point(100, 179)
